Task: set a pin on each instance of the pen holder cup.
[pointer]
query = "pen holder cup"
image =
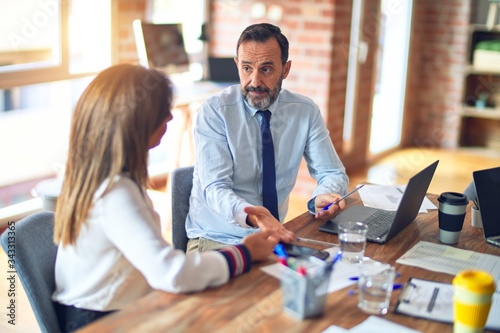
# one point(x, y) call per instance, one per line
point(304, 295)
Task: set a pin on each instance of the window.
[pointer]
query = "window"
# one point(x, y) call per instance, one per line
point(49, 40)
point(49, 52)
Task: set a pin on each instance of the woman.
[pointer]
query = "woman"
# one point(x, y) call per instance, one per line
point(110, 249)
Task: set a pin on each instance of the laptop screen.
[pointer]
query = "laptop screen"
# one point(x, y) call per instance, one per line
point(488, 193)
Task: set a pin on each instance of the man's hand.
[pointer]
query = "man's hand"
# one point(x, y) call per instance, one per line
point(324, 200)
point(259, 216)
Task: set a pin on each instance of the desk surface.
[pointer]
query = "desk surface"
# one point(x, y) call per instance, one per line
point(252, 302)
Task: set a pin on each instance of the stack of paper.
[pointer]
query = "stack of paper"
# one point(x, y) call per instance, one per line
point(388, 197)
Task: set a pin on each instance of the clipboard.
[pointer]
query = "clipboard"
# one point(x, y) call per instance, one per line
point(434, 301)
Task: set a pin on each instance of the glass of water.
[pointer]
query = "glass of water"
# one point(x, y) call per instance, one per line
point(375, 286)
point(352, 239)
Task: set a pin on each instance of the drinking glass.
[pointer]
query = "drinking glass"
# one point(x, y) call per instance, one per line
point(352, 239)
point(375, 286)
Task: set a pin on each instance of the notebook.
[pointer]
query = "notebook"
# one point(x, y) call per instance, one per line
point(383, 224)
point(488, 195)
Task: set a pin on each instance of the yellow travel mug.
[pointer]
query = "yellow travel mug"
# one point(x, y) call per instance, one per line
point(473, 291)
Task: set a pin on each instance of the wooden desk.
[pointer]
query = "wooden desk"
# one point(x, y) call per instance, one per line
point(252, 302)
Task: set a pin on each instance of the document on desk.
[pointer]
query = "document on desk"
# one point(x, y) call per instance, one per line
point(388, 197)
point(450, 260)
point(434, 301)
point(373, 324)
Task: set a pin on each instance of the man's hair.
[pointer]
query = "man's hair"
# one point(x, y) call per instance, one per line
point(261, 32)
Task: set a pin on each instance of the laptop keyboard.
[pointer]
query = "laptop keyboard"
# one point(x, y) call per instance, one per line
point(379, 223)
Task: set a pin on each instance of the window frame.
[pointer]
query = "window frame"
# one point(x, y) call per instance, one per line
point(23, 77)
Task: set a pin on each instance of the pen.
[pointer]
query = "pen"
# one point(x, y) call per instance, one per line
point(395, 286)
point(345, 196)
point(313, 241)
point(356, 278)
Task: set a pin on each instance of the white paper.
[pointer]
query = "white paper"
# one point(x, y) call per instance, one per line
point(373, 324)
point(388, 197)
point(418, 301)
point(450, 260)
point(340, 278)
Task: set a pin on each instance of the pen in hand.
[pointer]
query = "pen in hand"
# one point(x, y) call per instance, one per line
point(345, 196)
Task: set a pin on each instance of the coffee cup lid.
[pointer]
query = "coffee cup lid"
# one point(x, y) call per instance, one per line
point(475, 281)
point(453, 198)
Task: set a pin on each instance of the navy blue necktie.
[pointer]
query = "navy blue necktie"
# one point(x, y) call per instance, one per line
point(269, 195)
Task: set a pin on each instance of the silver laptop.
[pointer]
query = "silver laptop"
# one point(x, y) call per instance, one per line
point(383, 224)
point(488, 194)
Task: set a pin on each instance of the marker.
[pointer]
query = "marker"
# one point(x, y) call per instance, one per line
point(280, 251)
point(345, 196)
point(283, 261)
point(301, 270)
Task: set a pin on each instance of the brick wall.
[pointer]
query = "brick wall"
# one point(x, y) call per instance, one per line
point(124, 13)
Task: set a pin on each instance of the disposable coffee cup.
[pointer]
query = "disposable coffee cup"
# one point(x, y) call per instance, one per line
point(473, 292)
point(451, 215)
point(475, 218)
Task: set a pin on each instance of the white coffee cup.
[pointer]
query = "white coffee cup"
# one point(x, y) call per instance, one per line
point(475, 217)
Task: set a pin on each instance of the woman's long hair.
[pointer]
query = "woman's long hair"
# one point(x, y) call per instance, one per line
point(112, 124)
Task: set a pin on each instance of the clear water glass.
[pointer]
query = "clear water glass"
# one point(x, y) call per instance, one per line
point(352, 239)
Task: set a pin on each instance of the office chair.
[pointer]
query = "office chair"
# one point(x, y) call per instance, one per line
point(182, 182)
point(34, 253)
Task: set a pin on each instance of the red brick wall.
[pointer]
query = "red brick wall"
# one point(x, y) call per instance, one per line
point(124, 13)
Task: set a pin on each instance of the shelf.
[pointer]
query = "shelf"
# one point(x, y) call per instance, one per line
point(470, 70)
point(484, 27)
point(486, 113)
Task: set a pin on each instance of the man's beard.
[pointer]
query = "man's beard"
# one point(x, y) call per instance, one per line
point(264, 103)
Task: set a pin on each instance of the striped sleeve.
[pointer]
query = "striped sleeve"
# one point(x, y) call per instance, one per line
point(238, 259)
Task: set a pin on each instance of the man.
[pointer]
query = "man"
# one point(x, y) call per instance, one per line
point(233, 155)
